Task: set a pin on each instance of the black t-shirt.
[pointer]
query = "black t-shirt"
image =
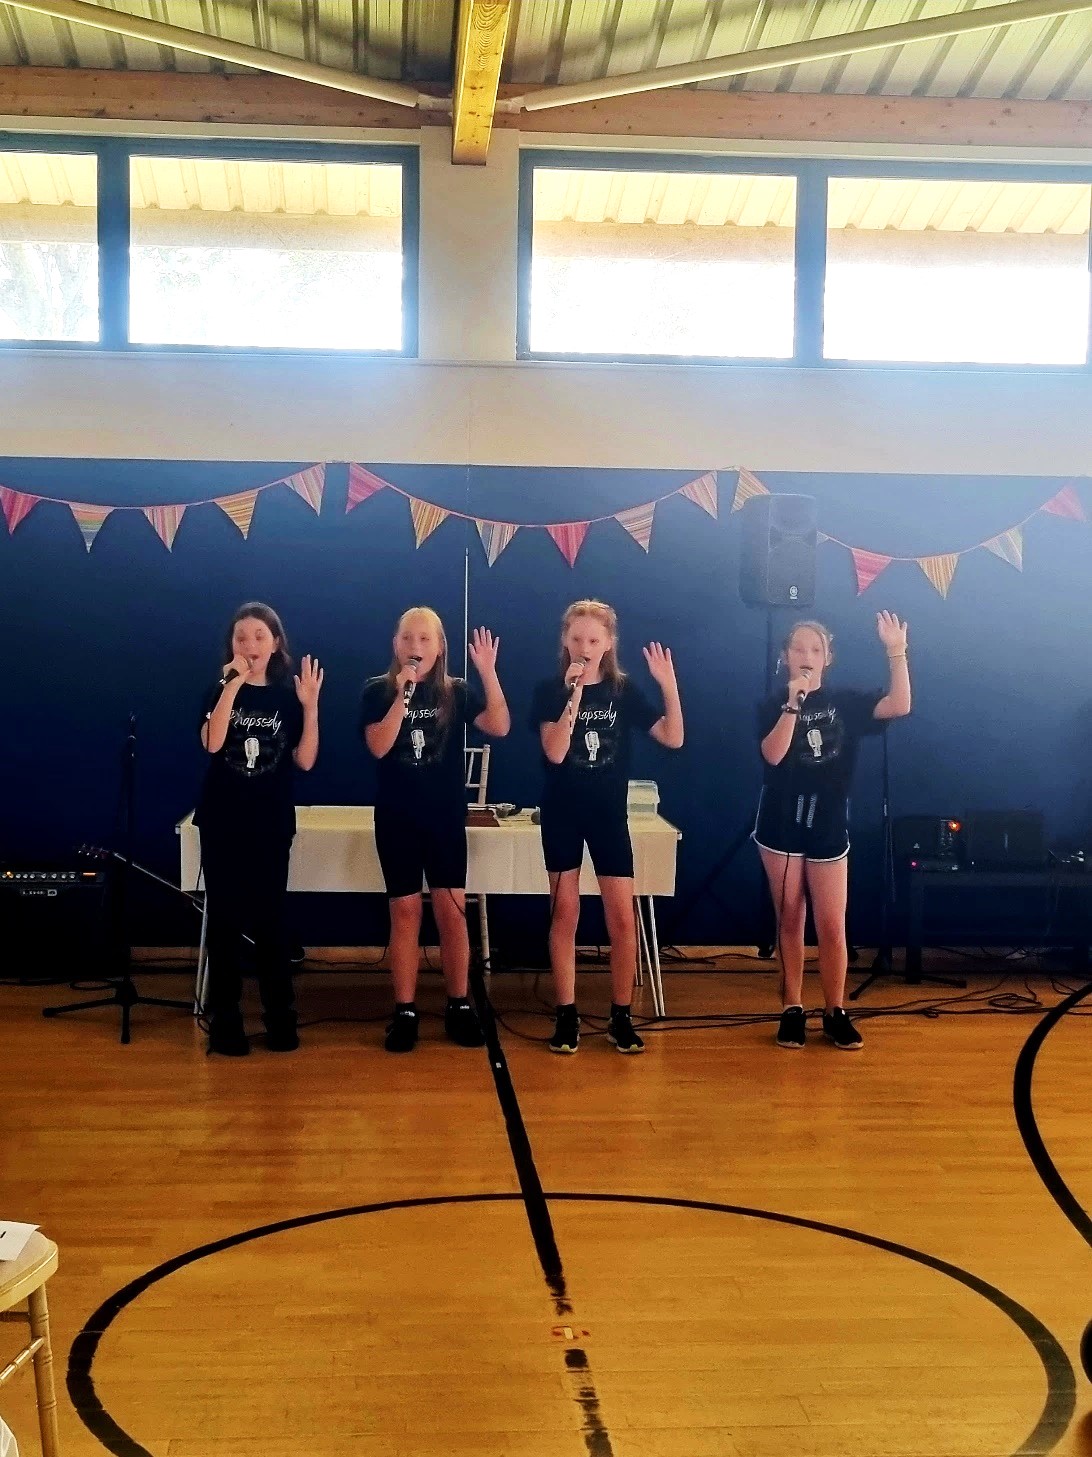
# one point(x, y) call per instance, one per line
point(425, 766)
point(598, 759)
point(823, 751)
point(249, 784)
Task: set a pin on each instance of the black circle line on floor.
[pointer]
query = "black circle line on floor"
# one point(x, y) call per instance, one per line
point(1060, 1377)
point(1024, 1108)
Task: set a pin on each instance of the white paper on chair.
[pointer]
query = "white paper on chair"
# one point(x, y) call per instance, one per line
point(13, 1238)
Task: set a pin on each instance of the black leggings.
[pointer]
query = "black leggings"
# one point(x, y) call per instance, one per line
point(246, 891)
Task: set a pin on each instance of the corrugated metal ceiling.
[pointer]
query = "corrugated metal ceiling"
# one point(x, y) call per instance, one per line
point(562, 41)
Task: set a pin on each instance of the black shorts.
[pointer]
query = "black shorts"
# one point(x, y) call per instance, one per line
point(803, 826)
point(414, 846)
point(567, 828)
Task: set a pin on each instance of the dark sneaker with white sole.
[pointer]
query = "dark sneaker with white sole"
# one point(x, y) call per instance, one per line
point(841, 1031)
point(566, 1036)
point(623, 1034)
point(792, 1028)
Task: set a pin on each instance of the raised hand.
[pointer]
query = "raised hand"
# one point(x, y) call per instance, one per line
point(660, 664)
point(892, 633)
point(309, 682)
point(483, 649)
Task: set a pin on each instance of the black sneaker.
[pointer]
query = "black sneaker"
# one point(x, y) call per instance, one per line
point(462, 1026)
point(566, 1036)
point(791, 1028)
point(841, 1031)
point(621, 1031)
point(282, 1032)
point(402, 1031)
point(227, 1037)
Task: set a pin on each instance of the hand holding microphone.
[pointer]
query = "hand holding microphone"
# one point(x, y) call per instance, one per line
point(239, 667)
point(800, 687)
point(407, 679)
point(574, 674)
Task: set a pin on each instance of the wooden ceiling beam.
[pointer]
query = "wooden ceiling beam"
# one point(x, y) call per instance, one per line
point(677, 117)
point(479, 51)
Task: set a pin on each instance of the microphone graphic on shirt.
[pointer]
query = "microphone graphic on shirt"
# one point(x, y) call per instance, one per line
point(591, 742)
point(252, 748)
point(410, 687)
point(417, 740)
point(815, 742)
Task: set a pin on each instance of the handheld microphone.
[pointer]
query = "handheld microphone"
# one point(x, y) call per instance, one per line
point(802, 694)
point(572, 686)
point(229, 676)
point(410, 687)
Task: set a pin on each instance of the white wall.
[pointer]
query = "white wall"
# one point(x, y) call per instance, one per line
point(468, 400)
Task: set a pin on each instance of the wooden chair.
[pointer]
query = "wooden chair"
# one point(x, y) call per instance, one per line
point(21, 1280)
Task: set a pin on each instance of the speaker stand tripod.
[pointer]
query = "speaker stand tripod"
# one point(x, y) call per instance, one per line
point(123, 992)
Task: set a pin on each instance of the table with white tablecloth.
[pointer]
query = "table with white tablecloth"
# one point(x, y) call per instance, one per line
point(334, 851)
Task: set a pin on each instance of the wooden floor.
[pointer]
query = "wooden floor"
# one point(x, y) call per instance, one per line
point(430, 1328)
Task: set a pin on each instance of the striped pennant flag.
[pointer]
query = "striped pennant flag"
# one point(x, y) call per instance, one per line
point(495, 537)
point(1009, 546)
point(568, 537)
point(165, 522)
point(940, 570)
point(748, 486)
point(16, 506)
point(703, 490)
point(638, 522)
point(426, 518)
point(868, 565)
point(1066, 503)
point(239, 509)
point(362, 484)
point(308, 485)
point(89, 519)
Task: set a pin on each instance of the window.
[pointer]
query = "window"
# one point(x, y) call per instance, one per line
point(949, 270)
point(49, 260)
point(686, 263)
point(266, 253)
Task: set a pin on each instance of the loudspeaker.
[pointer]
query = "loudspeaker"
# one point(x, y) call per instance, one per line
point(777, 552)
point(1012, 839)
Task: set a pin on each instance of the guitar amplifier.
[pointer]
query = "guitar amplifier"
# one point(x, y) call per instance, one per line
point(48, 882)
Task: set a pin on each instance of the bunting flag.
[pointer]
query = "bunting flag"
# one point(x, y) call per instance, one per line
point(703, 491)
point(638, 523)
point(940, 570)
point(239, 509)
point(1066, 503)
point(362, 484)
point(568, 536)
point(308, 484)
point(426, 518)
point(868, 565)
point(747, 486)
point(495, 537)
point(1009, 546)
point(165, 522)
point(16, 506)
point(89, 519)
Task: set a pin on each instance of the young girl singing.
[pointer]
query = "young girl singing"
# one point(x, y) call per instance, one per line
point(258, 723)
point(584, 716)
point(808, 737)
point(413, 720)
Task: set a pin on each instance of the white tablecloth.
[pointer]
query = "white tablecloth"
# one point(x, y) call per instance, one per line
point(334, 850)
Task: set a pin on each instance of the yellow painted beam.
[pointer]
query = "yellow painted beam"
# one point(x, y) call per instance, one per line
point(479, 52)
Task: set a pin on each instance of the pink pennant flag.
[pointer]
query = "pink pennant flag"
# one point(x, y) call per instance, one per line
point(569, 537)
point(89, 519)
point(16, 505)
point(703, 491)
point(308, 484)
point(1066, 503)
point(868, 565)
point(239, 509)
point(638, 522)
point(748, 486)
point(362, 484)
point(426, 518)
point(495, 537)
point(1009, 546)
point(940, 570)
point(165, 522)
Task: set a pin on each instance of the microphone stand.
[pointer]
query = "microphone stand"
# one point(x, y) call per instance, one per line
point(123, 992)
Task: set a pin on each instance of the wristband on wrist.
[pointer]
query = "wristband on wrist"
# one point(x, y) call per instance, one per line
point(789, 708)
